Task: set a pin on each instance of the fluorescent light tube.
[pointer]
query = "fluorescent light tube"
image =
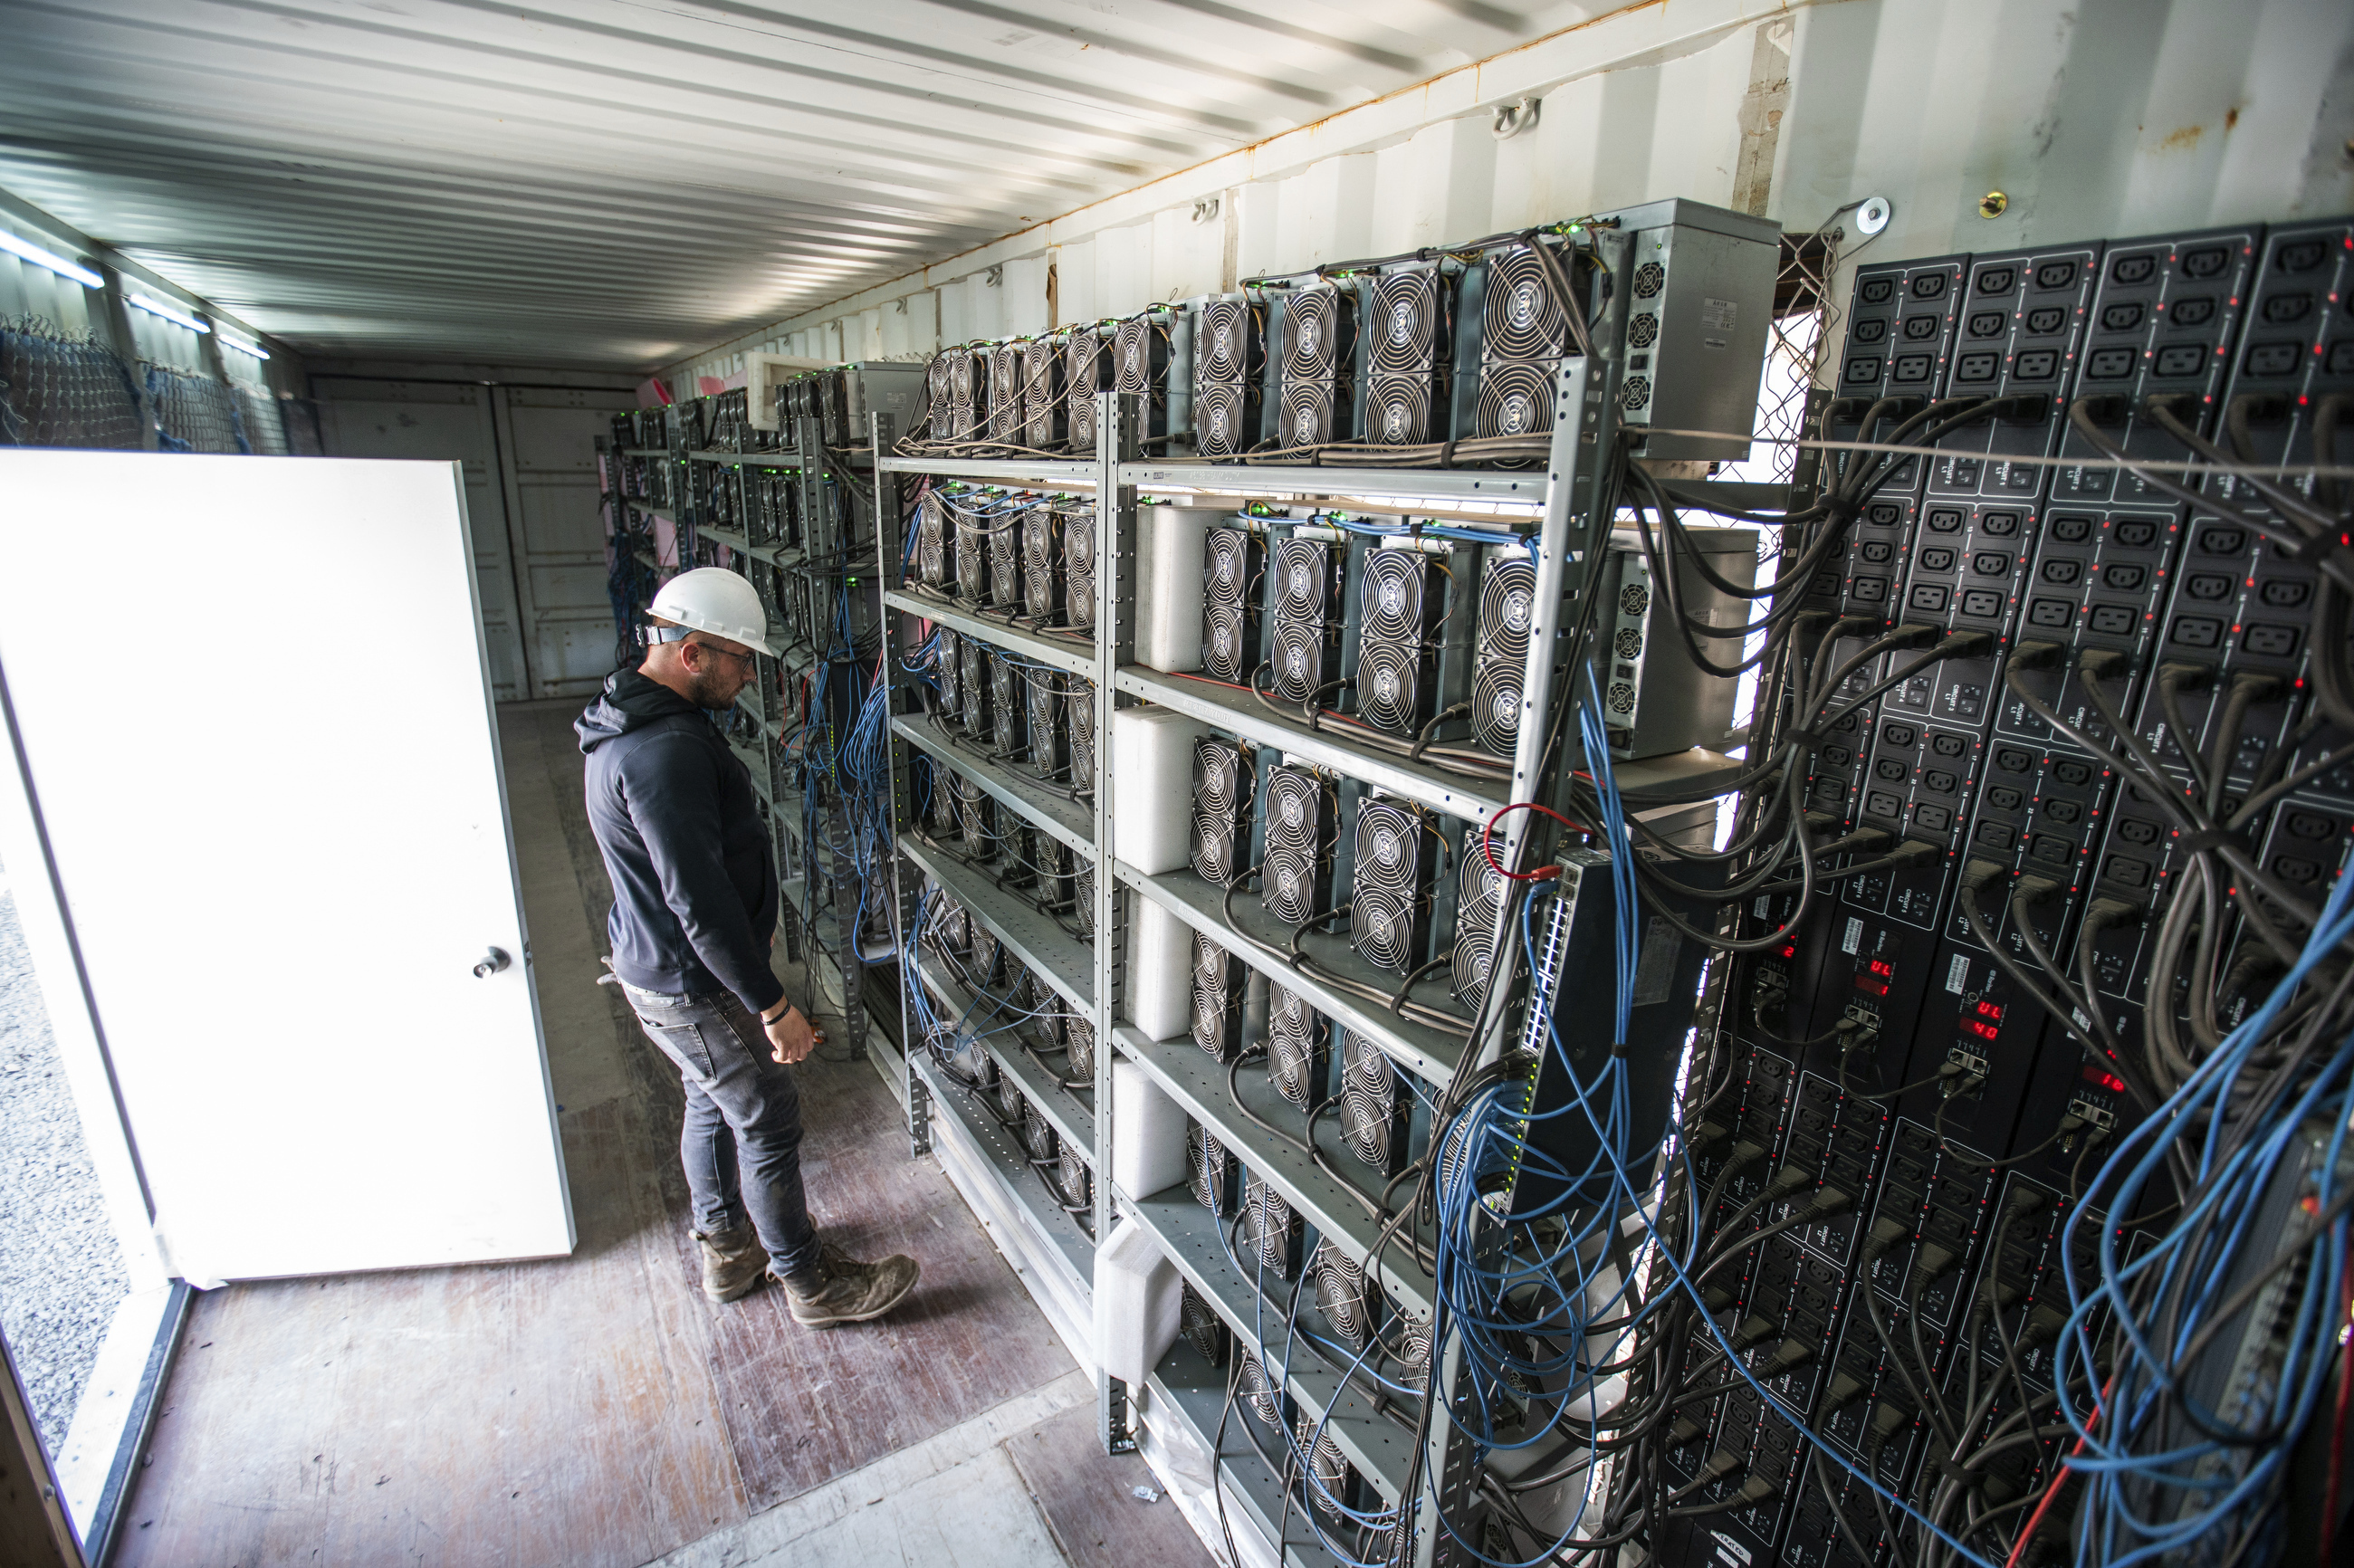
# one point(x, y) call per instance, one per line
point(51, 260)
point(177, 317)
point(254, 349)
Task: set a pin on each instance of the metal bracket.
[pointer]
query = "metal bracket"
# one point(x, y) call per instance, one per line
point(919, 1117)
point(1119, 1432)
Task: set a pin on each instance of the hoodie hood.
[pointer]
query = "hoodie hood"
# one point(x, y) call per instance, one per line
point(629, 702)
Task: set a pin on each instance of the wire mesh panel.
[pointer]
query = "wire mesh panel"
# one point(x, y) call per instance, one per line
point(57, 390)
point(264, 426)
point(193, 413)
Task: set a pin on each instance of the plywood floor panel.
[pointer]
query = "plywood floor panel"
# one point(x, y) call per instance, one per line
point(1088, 1498)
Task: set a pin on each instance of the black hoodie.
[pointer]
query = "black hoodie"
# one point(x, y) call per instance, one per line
point(694, 873)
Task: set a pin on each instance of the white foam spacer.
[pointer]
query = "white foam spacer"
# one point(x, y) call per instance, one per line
point(1160, 973)
point(1148, 1134)
point(1139, 1303)
point(1153, 785)
point(1169, 577)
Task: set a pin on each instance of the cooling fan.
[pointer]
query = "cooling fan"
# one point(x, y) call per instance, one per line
point(1232, 559)
point(1341, 1296)
point(1271, 1232)
point(1222, 809)
point(1019, 841)
point(1214, 1175)
point(1217, 1010)
point(1038, 1139)
point(1479, 900)
point(1307, 618)
point(1083, 359)
point(972, 684)
point(1389, 900)
point(1140, 357)
point(1259, 1397)
point(931, 540)
point(1080, 719)
point(953, 928)
point(1515, 400)
point(947, 663)
point(1009, 707)
point(1041, 394)
point(1005, 409)
point(1499, 650)
point(1079, 1041)
point(941, 818)
point(1395, 668)
point(1376, 1108)
point(1082, 896)
point(1203, 1327)
point(1320, 330)
point(1299, 1048)
point(1522, 320)
point(970, 555)
point(968, 394)
point(1004, 539)
point(982, 968)
point(1053, 858)
point(940, 397)
point(1326, 1481)
point(1297, 876)
point(1075, 1185)
point(1042, 564)
point(977, 818)
point(1078, 531)
point(1046, 706)
point(1227, 365)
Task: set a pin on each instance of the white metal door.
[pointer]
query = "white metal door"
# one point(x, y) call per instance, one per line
point(442, 421)
point(260, 749)
point(547, 435)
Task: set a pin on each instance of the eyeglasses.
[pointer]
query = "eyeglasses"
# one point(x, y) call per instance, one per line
point(745, 657)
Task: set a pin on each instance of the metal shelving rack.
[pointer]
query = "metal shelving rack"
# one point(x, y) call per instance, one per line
point(1185, 1391)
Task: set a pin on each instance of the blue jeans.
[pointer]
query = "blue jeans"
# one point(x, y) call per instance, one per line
point(741, 1143)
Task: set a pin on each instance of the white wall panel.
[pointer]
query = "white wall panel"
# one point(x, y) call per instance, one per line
point(2096, 118)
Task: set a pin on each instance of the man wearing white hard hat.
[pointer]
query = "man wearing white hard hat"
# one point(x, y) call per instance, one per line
point(695, 913)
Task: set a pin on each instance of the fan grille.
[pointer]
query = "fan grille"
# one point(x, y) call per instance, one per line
point(931, 540)
point(1397, 410)
point(1306, 641)
point(1217, 998)
point(1042, 393)
point(1038, 1134)
point(1081, 360)
point(1270, 1230)
point(1522, 319)
point(1042, 564)
point(1079, 1039)
point(1404, 322)
point(1296, 1058)
point(1328, 1481)
point(1211, 1170)
point(1203, 1327)
point(1515, 399)
point(1478, 891)
point(1221, 801)
point(1222, 341)
point(1077, 1181)
point(1257, 1395)
point(1142, 354)
point(1078, 531)
point(1341, 1296)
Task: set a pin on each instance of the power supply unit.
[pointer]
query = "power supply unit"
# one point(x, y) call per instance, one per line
point(1653, 706)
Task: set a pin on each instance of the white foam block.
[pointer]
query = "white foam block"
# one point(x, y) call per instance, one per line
point(1138, 1297)
point(1160, 971)
point(1153, 785)
point(1148, 1134)
point(1169, 578)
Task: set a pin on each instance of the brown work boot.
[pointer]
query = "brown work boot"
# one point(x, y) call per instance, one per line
point(840, 1290)
point(732, 1262)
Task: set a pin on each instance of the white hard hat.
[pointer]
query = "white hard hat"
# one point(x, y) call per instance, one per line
point(714, 600)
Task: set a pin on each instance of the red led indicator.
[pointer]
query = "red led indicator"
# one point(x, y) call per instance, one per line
point(2102, 1079)
point(1987, 1009)
point(1791, 951)
point(1982, 1030)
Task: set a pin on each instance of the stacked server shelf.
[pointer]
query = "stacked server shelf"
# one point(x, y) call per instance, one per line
point(1328, 1007)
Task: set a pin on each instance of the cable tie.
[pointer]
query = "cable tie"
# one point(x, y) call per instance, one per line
point(1808, 738)
point(1618, 1048)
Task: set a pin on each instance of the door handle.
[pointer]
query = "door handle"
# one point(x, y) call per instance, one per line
point(492, 962)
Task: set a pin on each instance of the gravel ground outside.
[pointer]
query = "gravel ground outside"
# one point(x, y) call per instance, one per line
point(61, 1274)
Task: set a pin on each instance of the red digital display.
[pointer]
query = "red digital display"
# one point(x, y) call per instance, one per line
point(1882, 968)
point(2102, 1079)
point(1980, 1028)
point(1791, 951)
point(1990, 1010)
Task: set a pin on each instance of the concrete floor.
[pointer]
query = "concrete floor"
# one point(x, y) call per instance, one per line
point(594, 1412)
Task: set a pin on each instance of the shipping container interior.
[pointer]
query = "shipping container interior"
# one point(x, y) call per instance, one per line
point(1553, 783)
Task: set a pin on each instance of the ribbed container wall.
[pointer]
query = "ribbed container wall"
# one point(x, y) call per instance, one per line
point(2103, 119)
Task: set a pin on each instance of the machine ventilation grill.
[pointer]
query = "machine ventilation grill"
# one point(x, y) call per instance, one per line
point(1082, 366)
point(1228, 354)
point(1005, 403)
point(1217, 1011)
point(1042, 564)
point(1222, 791)
point(1041, 394)
point(1297, 1048)
point(1214, 1174)
point(1079, 529)
point(1478, 894)
point(1307, 654)
point(1203, 1327)
point(1233, 561)
point(1499, 650)
point(1389, 901)
point(1320, 337)
point(1396, 659)
point(1376, 1110)
point(1296, 879)
point(1271, 1233)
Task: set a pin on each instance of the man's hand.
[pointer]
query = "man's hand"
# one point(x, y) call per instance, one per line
point(792, 1037)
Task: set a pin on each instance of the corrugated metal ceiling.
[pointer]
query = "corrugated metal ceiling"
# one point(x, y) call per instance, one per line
point(615, 182)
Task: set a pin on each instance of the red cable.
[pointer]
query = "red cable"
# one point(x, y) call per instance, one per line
point(1487, 847)
point(2018, 1547)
